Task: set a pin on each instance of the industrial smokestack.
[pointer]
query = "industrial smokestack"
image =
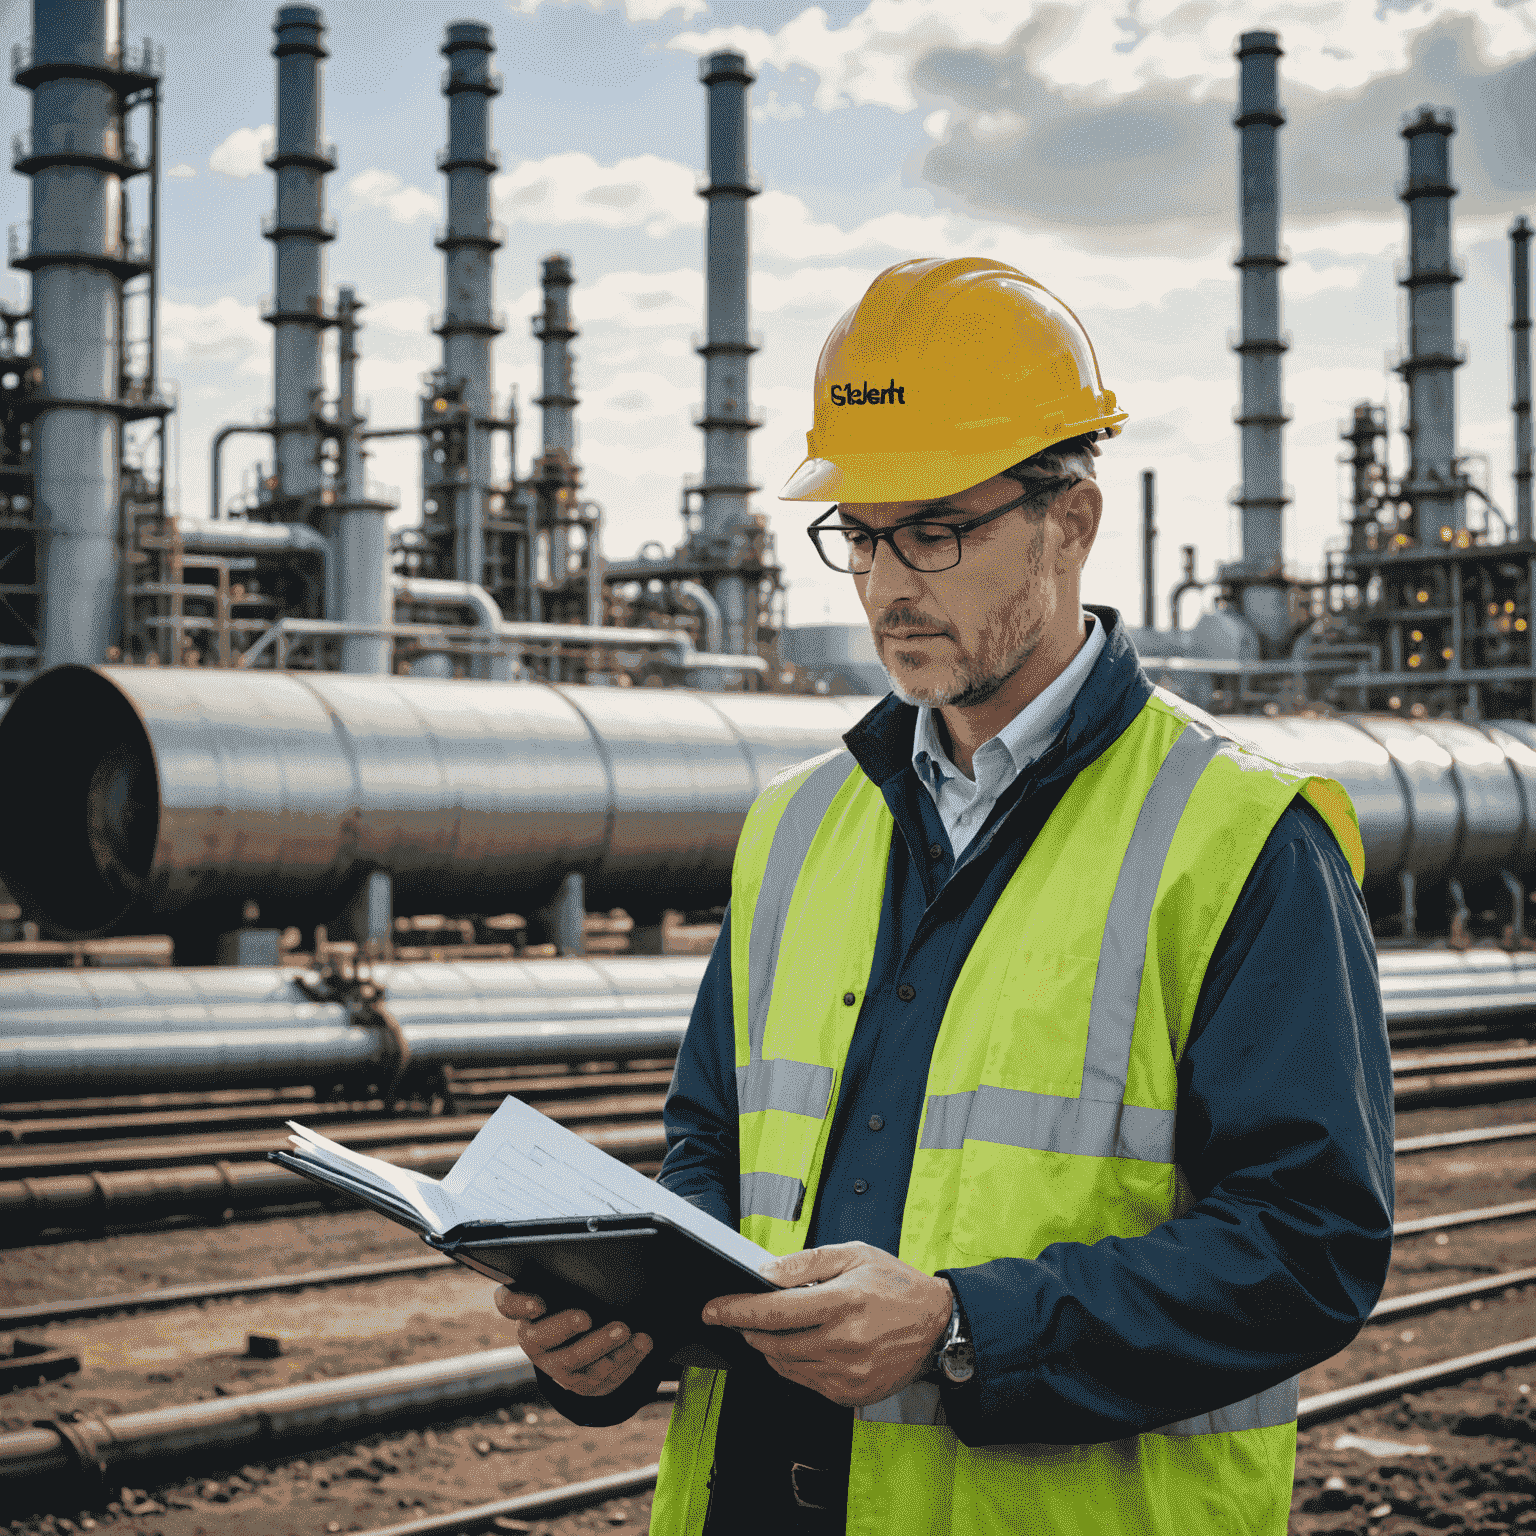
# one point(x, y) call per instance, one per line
point(468, 246)
point(1262, 415)
point(1148, 548)
point(1520, 349)
point(79, 257)
point(727, 417)
point(1434, 485)
point(361, 559)
point(298, 230)
point(554, 331)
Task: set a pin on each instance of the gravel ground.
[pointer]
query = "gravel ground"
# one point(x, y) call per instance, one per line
point(1457, 1458)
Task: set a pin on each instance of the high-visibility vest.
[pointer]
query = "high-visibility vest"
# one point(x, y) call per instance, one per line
point(1049, 1106)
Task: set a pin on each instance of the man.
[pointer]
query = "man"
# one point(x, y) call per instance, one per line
point(1043, 1040)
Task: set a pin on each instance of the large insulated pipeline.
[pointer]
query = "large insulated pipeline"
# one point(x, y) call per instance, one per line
point(66, 1047)
point(299, 231)
point(469, 244)
point(155, 799)
point(1262, 416)
point(1433, 484)
point(79, 256)
point(728, 346)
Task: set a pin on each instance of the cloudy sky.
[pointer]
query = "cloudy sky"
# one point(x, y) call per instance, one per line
point(1088, 144)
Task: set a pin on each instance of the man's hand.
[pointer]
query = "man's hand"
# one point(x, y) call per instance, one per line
point(563, 1346)
point(866, 1329)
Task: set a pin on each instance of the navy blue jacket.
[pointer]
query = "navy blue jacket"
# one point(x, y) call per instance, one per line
point(1284, 1128)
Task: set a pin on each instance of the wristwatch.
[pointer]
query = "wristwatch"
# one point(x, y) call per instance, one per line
point(955, 1357)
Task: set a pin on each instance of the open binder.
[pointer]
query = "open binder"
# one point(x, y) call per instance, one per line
point(532, 1205)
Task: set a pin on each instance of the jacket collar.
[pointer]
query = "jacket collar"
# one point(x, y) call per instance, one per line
point(1113, 695)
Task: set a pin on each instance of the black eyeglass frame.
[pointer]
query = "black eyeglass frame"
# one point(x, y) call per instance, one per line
point(815, 529)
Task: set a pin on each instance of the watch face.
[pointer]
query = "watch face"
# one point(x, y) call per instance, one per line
point(959, 1361)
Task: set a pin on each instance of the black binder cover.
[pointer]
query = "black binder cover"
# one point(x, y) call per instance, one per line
point(642, 1270)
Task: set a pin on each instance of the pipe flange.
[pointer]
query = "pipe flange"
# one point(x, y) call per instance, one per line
point(87, 1441)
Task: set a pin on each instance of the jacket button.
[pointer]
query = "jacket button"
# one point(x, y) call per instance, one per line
point(848, 999)
point(934, 851)
point(906, 992)
point(877, 1122)
point(859, 1186)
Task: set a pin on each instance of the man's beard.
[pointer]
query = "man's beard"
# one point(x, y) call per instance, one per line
point(1007, 642)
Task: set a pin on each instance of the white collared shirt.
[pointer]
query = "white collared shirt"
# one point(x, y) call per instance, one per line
point(964, 804)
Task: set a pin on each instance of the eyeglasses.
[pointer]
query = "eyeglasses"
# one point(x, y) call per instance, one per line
point(918, 544)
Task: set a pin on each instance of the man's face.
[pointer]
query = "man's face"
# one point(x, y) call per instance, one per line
point(957, 636)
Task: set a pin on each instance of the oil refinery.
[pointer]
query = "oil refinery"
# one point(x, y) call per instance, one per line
point(306, 809)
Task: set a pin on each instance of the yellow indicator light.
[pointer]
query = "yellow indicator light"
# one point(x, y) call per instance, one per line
point(1520, 624)
point(1423, 597)
point(1394, 702)
point(1464, 539)
point(1416, 636)
point(1493, 607)
point(1509, 607)
point(1413, 661)
point(439, 405)
point(1447, 653)
point(1445, 535)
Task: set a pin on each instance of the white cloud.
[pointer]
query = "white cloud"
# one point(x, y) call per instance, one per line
point(407, 315)
point(181, 172)
point(636, 396)
point(1333, 45)
point(771, 109)
point(935, 123)
point(1302, 279)
point(223, 332)
point(634, 10)
point(375, 188)
point(242, 153)
point(639, 192)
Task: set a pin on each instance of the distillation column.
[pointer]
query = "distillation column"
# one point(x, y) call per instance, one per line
point(1520, 351)
point(557, 460)
point(299, 230)
point(727, 346)
point(1262, 416)
point(79, 258)
point(361, 540)
point(468, 245)
point(1434, 485)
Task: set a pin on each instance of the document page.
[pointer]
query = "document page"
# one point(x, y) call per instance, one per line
point(524, 1166)
point(426, 1197)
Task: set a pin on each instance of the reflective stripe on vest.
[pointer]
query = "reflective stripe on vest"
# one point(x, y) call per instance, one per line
point(1099, 1123)
point(920, 1403)
point(792, 1087)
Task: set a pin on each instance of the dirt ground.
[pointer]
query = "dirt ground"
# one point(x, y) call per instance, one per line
point(1458, 1458)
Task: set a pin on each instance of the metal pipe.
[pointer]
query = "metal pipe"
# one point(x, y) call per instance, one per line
point(1190, 583)
point(459, 594)
point(152, 795)
point(253, 1424)
point(728, 346)
point(362, 523)
point(1262, 415)
point(711, 626)
point(215, 463)
point(1148, 546)
point(1520, 352)
point(298, 230)
point(78, 256)
point(1435, 485)
point(468, 244)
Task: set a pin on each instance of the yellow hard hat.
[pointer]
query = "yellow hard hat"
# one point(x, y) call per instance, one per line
point(946, 373)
